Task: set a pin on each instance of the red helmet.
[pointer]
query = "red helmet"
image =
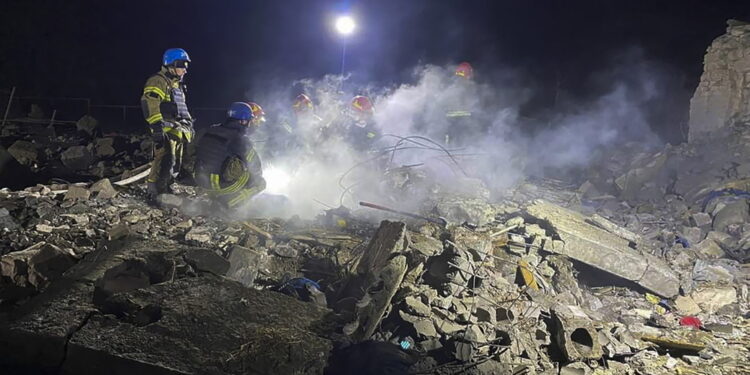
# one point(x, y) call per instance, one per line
point(302, 103)
point(465, 70)
point(362, 105)
point(258, 115)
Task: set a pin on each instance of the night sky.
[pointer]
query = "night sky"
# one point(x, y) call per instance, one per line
point(106, 49)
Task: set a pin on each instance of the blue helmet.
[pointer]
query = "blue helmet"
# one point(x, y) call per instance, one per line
point(174, 54)
point(240, 111)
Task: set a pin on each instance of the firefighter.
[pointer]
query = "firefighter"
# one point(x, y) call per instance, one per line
point(459, 115)
point(170, 122)
point(361, 132)
point(227, 165)
point(290, 131)
point(464, 70)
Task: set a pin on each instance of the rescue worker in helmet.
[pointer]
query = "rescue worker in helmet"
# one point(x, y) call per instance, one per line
point(168, 118)
point(459, 115)
point(292, 132)
point(227, 165)
point(361, 132)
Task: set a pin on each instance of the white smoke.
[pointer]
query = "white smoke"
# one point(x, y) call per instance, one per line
point(494, 143)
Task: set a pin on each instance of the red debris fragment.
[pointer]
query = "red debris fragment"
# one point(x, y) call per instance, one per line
point(691, 321)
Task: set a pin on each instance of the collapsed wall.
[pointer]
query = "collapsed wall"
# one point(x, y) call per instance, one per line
point(723, 95)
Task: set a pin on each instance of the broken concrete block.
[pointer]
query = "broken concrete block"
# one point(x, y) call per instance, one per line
point(379, 292)
point(723, 239)
point(103, 189)
point(476, 211)
point(390, 238)
point(24, 152)
point(118, 231)
point(711, 299)
point(575, 334)
point(103, 147)
point(6, 220)
point(200, 235)
point(169, 200)
point(479, 245)
point(37, 265)
point(207, 261)
point(701, 220)
point(87, 124)
point(49, 263)
point(719, 271)
point(733, 213)
point(415, 307)
point(245, 264)
point(285, 251)
point(77, 158)
point(603, 250)
point(686, 305)
point(633, 181)
point(422, 325)
point(709, 249)
point(425, 245)
point(77, 193)
point(613, 228)
point(578, 368)
point(692, 234)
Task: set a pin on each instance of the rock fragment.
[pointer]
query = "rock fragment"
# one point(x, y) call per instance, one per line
point(77, 158)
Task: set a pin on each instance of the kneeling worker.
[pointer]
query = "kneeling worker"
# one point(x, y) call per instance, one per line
point(226, 164)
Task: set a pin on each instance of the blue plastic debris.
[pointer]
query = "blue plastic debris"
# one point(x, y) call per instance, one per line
point(682, 241)
point(301, 283)
point(718, 193)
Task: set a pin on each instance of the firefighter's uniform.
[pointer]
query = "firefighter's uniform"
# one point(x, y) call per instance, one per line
point(163, 104)
point(364, 137)
point(227, 166)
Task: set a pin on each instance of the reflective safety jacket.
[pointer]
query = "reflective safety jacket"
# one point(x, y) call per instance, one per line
point(363, 136)
point(225, 160)
point(163, 100)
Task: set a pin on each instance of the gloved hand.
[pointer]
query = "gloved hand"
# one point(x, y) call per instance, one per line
point(158, 136)
point(186, 127)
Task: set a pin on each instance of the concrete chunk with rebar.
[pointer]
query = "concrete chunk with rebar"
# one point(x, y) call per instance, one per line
point(605, 251)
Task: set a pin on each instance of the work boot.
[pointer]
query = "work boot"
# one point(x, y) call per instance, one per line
point(152, 191)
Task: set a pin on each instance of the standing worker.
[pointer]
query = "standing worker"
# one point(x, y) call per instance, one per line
point(170, 122)
point(463, 126)
point(362, 133)
point(226, 164)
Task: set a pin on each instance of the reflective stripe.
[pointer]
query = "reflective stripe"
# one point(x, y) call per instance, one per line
point(370, 135)
point(250, 155)
point(177, 133)
point(242, 181)
point(242, 196)
point(159, 92)
point(215, 181)
point(458, 114)
point(154, 119)
point(237, 185)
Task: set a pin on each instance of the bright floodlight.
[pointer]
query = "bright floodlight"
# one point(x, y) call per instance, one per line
point(345, 25)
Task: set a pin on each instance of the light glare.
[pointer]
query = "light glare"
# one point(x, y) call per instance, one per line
point(345, 25)
point(277, 180)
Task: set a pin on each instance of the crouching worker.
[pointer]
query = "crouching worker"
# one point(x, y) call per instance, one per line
point(226, 164)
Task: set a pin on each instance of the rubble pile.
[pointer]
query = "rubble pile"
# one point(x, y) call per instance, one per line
point(539, 288)
point(75, 153)
point(545, 290)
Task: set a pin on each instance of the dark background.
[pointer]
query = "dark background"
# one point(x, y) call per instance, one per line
point(104, 50)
